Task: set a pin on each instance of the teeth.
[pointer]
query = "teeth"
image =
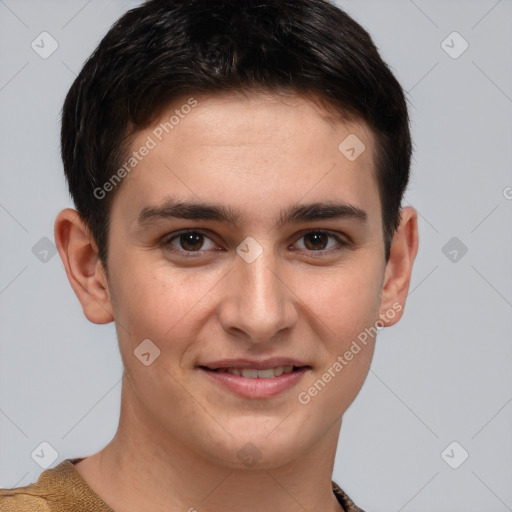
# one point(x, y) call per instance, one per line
point(264, 374)
point(250, 373)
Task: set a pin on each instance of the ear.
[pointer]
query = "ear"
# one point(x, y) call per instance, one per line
point(397, 276)
point(85, 272)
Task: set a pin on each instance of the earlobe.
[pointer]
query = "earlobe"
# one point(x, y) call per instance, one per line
point(85, 272)
point(397, 278)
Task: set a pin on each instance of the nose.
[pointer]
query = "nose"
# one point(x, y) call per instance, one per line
point(258, 302)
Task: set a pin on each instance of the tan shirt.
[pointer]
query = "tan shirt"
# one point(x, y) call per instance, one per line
point(62, 489)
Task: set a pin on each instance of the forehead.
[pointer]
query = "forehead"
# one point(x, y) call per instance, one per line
point(253, 152)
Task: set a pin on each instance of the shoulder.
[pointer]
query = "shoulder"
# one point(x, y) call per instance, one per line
point(23, 499)
point(344, 500)
point(50, 489)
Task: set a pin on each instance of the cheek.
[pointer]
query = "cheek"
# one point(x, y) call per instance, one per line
point(346, 306)
point(345, 301)
point(161, 304)
point(148, 303)
point(345, 314)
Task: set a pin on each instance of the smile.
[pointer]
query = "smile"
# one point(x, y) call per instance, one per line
point(251, 373)
point(245, 381)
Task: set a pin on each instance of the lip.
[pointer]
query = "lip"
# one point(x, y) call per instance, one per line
point(263, 364)
point(255, 388)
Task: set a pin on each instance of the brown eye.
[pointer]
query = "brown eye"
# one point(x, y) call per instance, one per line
point(191, 241)
point(316, 241)
point(321, 241)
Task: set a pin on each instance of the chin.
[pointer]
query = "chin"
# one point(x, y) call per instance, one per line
point(253, 448)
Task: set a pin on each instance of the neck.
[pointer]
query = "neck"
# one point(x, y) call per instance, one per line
point(144, 468)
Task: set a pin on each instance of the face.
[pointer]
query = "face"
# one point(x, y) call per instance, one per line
point(248, 249)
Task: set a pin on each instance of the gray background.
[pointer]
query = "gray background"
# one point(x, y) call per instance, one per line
point(442, 374)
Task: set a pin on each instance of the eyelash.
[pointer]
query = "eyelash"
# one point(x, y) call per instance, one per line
point(342, 244)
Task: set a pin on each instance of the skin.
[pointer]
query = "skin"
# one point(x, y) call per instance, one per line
point(179, 433)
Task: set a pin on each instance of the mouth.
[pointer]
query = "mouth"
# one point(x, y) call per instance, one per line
point(254, 373)
point(252, 379)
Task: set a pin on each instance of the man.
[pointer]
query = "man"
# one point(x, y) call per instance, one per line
point(237, 168)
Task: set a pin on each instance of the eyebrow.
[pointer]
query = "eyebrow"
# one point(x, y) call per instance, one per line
point(297, 213)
